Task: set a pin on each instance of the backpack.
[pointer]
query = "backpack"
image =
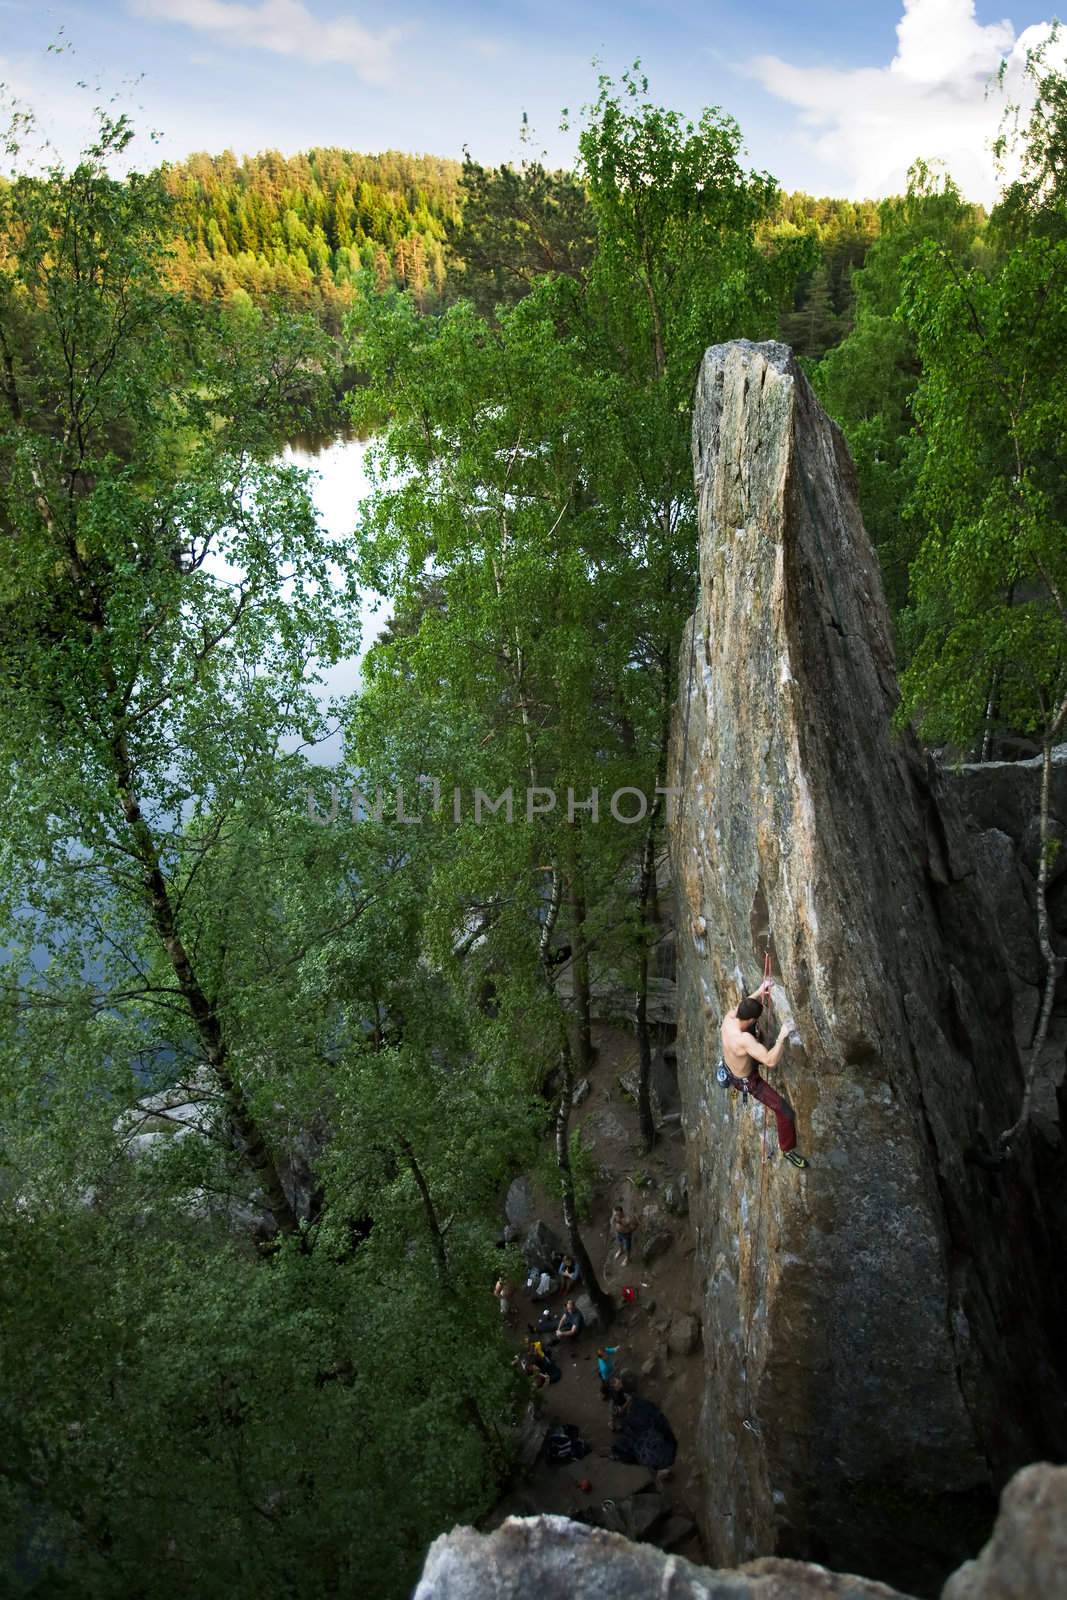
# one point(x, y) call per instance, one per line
point(565, 1444)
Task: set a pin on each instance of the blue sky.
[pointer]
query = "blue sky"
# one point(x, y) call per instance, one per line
point(833, 98)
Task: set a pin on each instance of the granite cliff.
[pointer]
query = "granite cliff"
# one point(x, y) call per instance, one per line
point(881, 1331)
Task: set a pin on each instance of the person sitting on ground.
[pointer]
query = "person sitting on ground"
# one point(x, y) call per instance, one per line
point(539, 1358)
point(530, 1368)
point(570, 1273)
point(742, 1056)
point(605, 1367)
point(623, 1226)
point(571, 1322)
point(546, 1322)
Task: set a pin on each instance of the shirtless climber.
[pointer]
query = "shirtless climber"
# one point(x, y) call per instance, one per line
point(742, 1055)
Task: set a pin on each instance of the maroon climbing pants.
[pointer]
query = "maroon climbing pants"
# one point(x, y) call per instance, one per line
point(783, 1116)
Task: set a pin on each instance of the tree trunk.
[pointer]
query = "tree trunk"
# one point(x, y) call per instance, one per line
point(647, 911)
point(599, 1296)
point(490, 1438)
point(436, 1232)
point(1044, 937)
point(580, 972)
point(644, 1042)
point(205, 1018)
point(985, 746)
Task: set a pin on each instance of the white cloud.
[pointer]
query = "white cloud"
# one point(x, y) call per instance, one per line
point(65, 121)
point(936, 100)
point(285, 27)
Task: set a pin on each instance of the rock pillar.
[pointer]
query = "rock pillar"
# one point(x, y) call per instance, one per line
point(880, 1333)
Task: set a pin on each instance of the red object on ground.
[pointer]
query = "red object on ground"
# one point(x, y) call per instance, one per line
point(585, 1485)
point(629, 1295)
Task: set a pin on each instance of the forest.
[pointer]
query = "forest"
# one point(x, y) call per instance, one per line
point(310, 230)
point(305, 230)
point(249, 1186)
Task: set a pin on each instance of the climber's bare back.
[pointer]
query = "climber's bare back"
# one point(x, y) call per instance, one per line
point(737, 1046)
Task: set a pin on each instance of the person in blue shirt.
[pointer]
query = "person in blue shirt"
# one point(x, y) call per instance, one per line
point(571, 1323)
point(606, 1368)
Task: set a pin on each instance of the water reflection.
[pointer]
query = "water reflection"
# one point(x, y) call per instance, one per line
point(312, 443)
point(339, 482)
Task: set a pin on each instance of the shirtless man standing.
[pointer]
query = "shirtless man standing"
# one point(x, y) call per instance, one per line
point(742, 1056)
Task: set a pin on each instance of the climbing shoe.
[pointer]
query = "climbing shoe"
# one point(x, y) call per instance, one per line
point(795, 1159)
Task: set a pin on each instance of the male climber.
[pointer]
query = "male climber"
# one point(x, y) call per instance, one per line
point(742, 1054)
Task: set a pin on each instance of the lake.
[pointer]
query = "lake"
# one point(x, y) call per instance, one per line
point(339, 483)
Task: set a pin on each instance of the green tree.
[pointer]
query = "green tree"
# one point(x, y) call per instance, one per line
point(516, 224)
point(868, 381)
point(125, 694)
point(987, 622)
point(680, 264)
point(216, 1029)
point(541, 549)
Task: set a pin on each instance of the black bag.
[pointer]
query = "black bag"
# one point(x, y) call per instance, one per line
point(726, 1079)
point(565, 1444)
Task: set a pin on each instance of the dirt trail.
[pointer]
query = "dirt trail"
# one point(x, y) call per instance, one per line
point(608, 1123)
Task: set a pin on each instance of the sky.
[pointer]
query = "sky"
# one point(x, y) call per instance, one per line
point(831, 97)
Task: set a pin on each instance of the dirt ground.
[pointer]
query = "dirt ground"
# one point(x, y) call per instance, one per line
point(607, 1119)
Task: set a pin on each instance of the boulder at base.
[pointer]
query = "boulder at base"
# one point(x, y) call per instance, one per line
point(553, 1558)
point(540, 1246)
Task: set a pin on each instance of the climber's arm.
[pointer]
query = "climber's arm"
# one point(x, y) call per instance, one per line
point(759, 1052)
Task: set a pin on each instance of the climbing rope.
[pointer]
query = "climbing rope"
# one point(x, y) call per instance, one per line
point(749, 1422)
point(767, 1004)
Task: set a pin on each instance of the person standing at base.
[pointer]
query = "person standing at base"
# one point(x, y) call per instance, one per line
point(623, 1226)
point(742, 1056)
point(605, 1366)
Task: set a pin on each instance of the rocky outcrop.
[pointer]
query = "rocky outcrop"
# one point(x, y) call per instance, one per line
point(879, 1333)
point(1000, 802)
point(552, 1558)
point(1026, 1559)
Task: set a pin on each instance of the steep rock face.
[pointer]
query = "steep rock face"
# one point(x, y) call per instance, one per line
point(879, 1332)
point(1000, 802)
